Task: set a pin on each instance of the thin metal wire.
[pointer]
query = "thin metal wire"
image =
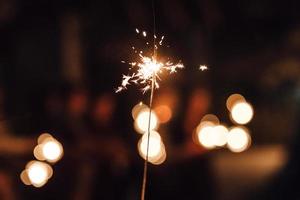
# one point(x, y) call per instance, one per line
point(145, 173)
point(148, 141)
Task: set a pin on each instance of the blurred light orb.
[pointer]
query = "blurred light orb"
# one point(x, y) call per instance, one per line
point(238, 139)
point(38, 153)
point(242, 112)
point(233, 99)
point(220, 134)
point(210, 118)
point(161, 158)
point(206, 137)
point(38, 173)
point(24, 177)
point(137, 109)
point(142, 121)
point(155, 145)
point(43, 137)
point(164, 113)
point(52, 150)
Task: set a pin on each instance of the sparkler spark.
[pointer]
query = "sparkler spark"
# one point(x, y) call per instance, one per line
point(148, 69)
point(203, 67)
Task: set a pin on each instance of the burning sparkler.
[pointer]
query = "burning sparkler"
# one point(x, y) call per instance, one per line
point(148, 70)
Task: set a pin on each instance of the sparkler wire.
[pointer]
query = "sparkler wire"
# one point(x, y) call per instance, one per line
point(144, 184)
point(148, 140)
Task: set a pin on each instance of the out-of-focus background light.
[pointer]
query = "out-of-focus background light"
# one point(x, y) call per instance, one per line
point(157, 153)
point(238, 139)
point(210, 118)
point(242, 112)
point(210, 135)
point(137, 109)
point(206, 137)
point(48, 149)
point(142, 121)
point(164, 113)
point(233, 99)
point(220, 133)
point(36, 173)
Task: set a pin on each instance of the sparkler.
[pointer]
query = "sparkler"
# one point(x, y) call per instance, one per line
point(148, 68)
point(146, 73)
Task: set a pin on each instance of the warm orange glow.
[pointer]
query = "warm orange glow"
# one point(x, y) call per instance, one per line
point(24, 177)
point(233, 99)
point(43, 137)
point(142, 121)
point(238, 139)
point(242, 112)
point(164, 113)
point(38, 173)
point(137, 109)
point(38, 153)
point(210, 118)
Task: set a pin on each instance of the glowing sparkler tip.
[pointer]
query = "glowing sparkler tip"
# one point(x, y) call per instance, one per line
point(148, 68)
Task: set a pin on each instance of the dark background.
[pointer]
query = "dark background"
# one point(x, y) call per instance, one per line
point(59, 57)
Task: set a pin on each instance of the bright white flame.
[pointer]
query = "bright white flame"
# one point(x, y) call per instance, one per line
point(155, 145)
point(52, 150)
point(238, 139)
point(142, 121)
point(242, 112)
point(38, 173)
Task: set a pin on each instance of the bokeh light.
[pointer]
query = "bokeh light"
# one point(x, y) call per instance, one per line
point(24, 177)
point(210, 118)
point(52, 150)
point(238, 139)
point(220, 134)
point(206, 137)
point(161, 158)
point(48, 149)
point(233, 99)
point(137, 109)
point(38, 173)
point(164, 113)
point(43, 137)
point(157, 153)
point(142, 121)
point(242, 112)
